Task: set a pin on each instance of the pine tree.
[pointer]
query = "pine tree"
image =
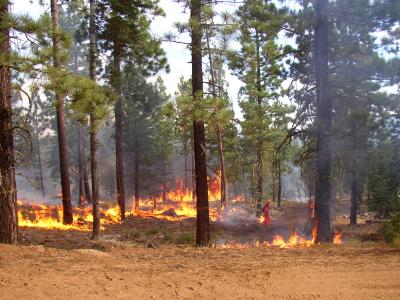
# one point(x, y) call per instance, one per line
point(62, 142)
point(259, 66)
point(124, 30)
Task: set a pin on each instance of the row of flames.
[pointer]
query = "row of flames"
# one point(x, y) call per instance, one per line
point(176, 205)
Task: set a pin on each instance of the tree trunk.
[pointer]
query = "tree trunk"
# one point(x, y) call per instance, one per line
point(224, 190)
point(202, 220)
point(355, 184)
point(119, 156)
point(62, 139)
point(279, 183)
point(86, 184)
point(137, 180)
point(93, 127)
point(273, 178)
point(260, 144)
point(8, 195)
point(39, 152)
point(186, 159)
point(81, 200)
point(324, 125)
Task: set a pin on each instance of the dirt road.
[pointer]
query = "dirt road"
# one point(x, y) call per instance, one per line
point(172, 272)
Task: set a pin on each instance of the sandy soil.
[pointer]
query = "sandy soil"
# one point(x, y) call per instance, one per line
point(53, 264)
point(125, 271)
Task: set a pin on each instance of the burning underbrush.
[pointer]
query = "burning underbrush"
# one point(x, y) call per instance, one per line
point(234, 227)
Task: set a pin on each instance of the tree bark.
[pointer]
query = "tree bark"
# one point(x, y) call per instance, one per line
point(324, 125)
point(119, 156)
point(93, 127)
point(8, 193)
point(202, 220)
point(62, 139)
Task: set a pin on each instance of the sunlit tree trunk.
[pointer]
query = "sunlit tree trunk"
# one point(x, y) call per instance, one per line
point(62, 139)
point(202, 220)
point(324, 125)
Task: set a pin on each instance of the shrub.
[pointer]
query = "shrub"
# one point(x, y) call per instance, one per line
point(391, 230)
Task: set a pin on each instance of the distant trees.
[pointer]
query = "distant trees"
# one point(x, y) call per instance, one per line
point(124, 31)
point(259, 65)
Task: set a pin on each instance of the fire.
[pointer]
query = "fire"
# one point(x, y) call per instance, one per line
point(176, 206)
point(337, 238)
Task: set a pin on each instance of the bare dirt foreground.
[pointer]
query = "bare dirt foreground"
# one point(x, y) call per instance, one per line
point(172, 272)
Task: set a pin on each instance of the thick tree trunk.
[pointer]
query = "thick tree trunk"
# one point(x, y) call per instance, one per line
point(8, 193)
point(93, 128)
point(324, 125)
point(202, 220)
point(119, 156)
point(62, 139)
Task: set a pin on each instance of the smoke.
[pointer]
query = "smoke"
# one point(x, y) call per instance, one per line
point(293, 187)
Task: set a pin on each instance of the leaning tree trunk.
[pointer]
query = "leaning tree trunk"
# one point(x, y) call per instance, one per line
point(202, 220)
point(8, 193)
point(324, 125)
point(119, 156)
point(62, 139)
point(93, 128)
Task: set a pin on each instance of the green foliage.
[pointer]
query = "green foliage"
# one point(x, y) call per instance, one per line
point(391, 230)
